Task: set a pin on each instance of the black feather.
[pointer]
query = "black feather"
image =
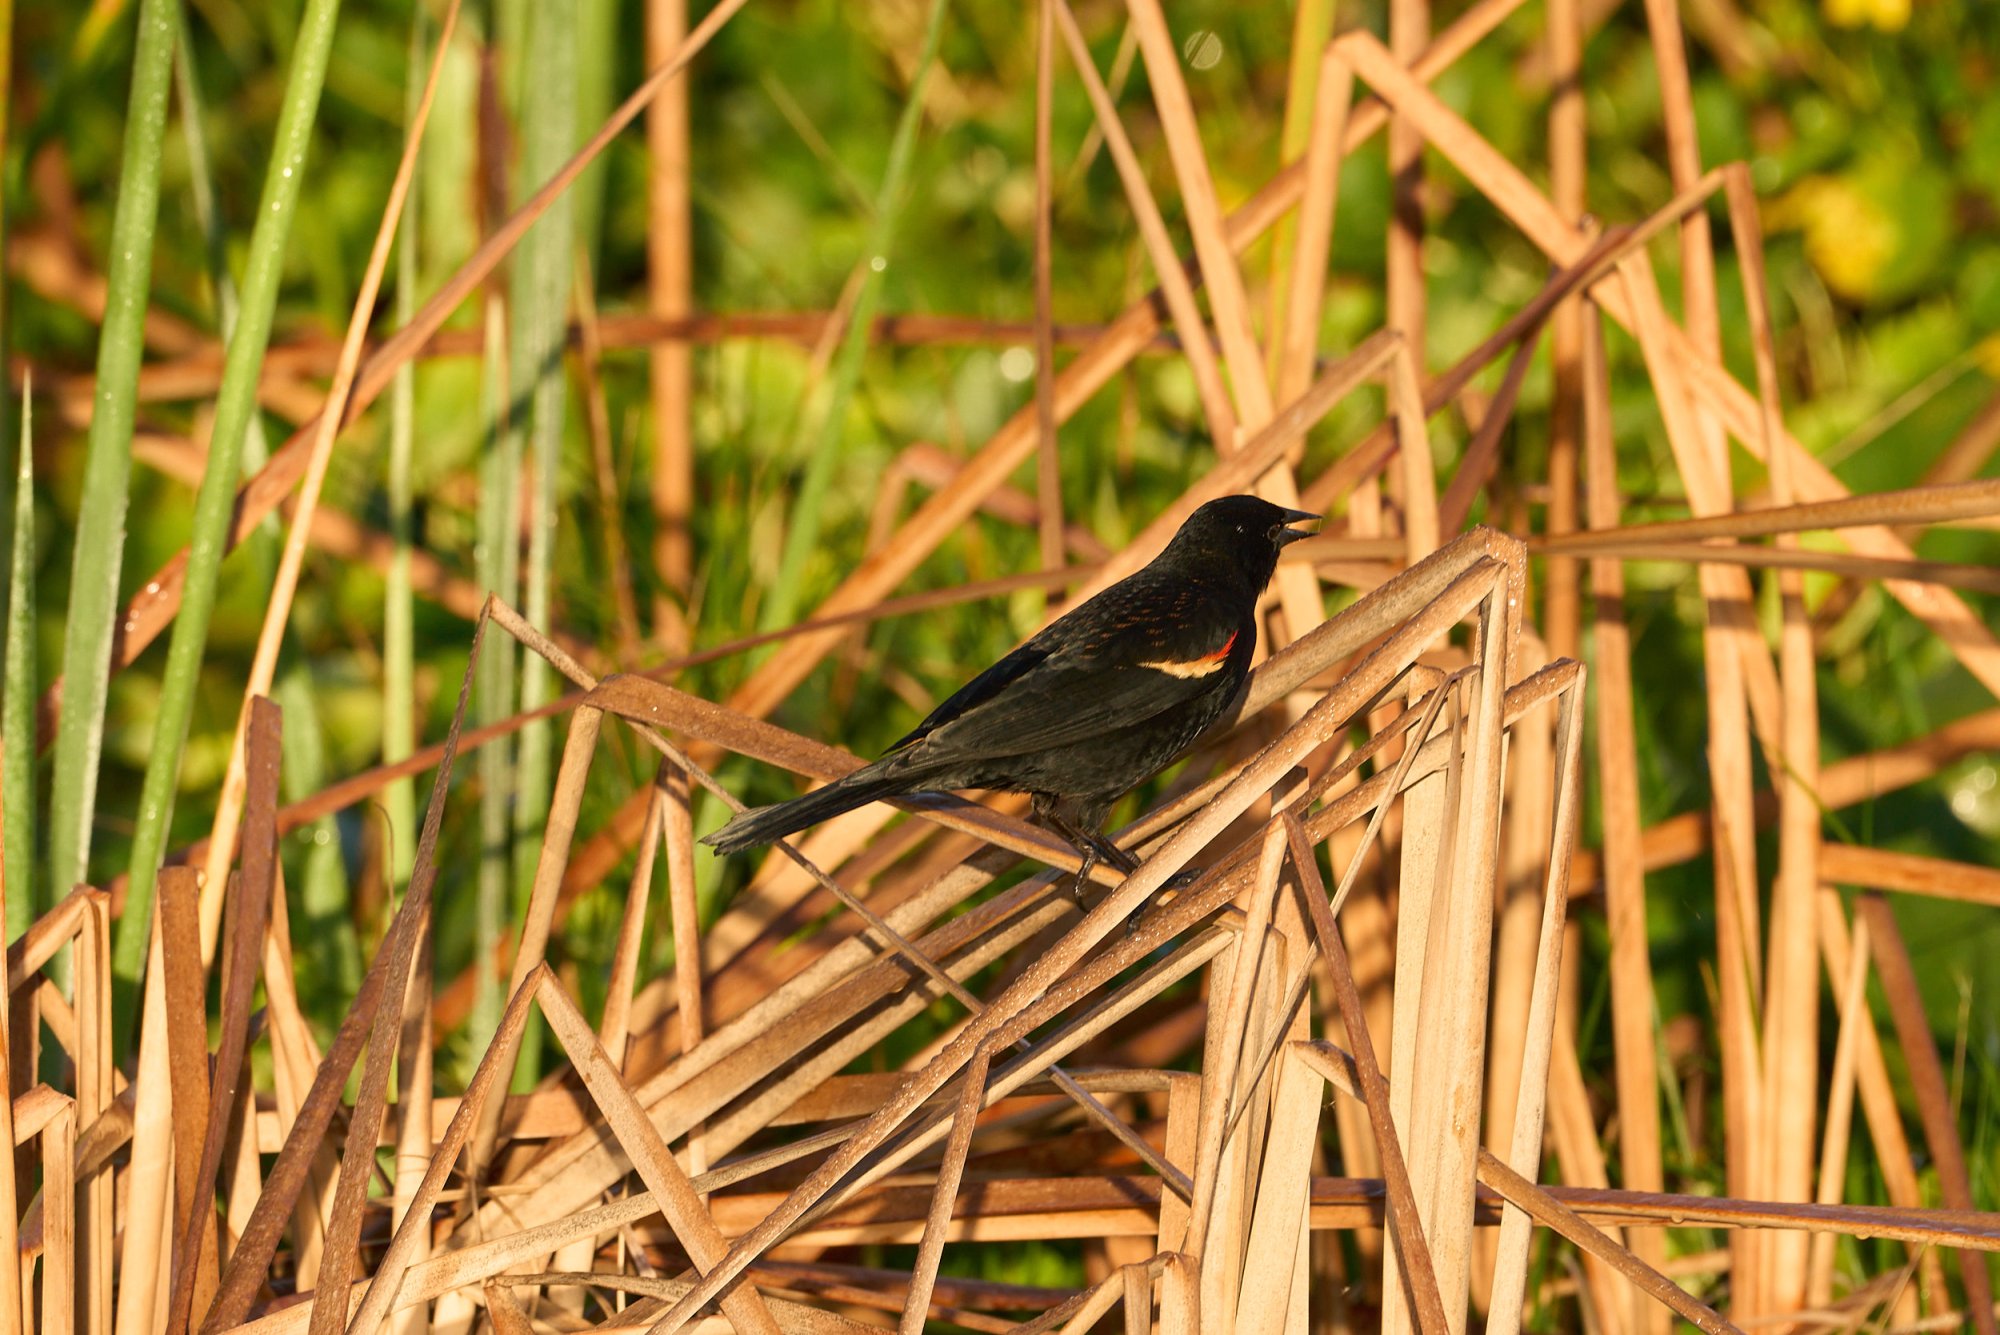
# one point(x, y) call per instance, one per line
point(1101, 698)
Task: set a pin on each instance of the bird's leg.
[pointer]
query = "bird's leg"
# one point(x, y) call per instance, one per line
point(1082, 877)
point(1091, 847)
point(1091, 851)
point(1094, 848)
point(1110, 852)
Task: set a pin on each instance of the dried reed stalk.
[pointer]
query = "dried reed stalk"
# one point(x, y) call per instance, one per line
point(1210, 1205)
point(1927, 1080)
point(670, 288)
point(1632, 995)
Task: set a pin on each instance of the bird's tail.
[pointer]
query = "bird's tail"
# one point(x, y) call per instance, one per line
point(762, 825)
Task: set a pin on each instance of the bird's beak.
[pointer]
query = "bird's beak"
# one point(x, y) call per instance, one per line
point(1283, 536)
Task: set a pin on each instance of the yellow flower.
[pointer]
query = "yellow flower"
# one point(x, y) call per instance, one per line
point(1986, 355)
point(1885, 15)
point(1848, 237)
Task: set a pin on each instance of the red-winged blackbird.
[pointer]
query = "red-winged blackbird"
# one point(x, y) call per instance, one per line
point(1104, 696)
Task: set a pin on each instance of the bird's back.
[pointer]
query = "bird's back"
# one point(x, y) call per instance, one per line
point(1145, 665)
point(1096, 702)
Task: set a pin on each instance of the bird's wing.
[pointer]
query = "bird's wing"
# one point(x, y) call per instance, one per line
point(976, 692)
point(1134, 651)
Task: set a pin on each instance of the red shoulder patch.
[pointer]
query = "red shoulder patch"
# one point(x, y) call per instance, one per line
point(1223, 652)
point(1203, 666)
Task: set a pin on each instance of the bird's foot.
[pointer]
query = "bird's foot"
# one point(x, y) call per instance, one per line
point(1091, 849)
point(1082, 877)
point(1175, 885)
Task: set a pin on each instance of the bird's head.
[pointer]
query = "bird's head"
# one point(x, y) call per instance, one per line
point(1245, 532)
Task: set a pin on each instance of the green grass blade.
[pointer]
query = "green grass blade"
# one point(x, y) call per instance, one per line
point(802, 533)
point(107, 467)
point(201, 190)
point(598, 51)
point(236, 406)
point(6, 200)
point(498, 550)
point(17, 700)
point(17, 692)
point(399, 672)
point(540, 318)
point(330, 951)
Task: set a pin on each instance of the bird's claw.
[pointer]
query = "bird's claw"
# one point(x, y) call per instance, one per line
point(1082, 877)
point(1180, 881)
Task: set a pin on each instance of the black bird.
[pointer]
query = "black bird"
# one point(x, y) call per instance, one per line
point(1104, 696)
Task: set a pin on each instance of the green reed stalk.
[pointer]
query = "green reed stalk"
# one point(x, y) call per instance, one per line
point(544, 264)
point(236, 407)
point(107, 464)
point(17, 698)
point(498, 562)
point(399, 666)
